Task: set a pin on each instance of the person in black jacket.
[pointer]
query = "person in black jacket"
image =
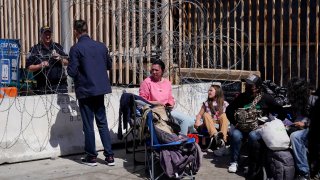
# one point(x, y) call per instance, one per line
point(266, 104)
point(313, 138)
point(46, 60)
point(89, 62)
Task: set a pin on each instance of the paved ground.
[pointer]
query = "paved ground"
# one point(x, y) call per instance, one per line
point(70, 168)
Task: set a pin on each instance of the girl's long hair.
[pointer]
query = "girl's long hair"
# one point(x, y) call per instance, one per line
point(219, 98)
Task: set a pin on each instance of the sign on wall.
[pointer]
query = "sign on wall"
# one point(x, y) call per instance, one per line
point(9, 60)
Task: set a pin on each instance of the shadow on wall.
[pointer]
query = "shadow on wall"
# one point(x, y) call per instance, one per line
point(66, 133)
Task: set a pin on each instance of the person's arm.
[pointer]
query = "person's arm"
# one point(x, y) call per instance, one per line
point(198, 117)
point(36, 67)
point(73, 65)
point(144, 90)
point(60, 55)
point(237, 103)
point(171, 101)
point(34, 62)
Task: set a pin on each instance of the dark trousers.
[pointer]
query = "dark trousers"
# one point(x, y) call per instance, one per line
point(90, 108)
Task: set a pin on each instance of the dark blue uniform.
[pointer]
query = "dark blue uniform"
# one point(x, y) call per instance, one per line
point(50, 79)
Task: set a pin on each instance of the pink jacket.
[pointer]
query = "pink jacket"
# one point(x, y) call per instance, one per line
point(157, 91)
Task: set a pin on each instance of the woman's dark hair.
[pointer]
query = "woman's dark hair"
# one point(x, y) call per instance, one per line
point(80, 26)
point(161, 64)
point(298, 96)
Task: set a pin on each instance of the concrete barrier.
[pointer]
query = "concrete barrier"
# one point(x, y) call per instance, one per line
point(36, 127)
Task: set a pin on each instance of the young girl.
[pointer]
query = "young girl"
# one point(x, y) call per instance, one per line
point(213, 111)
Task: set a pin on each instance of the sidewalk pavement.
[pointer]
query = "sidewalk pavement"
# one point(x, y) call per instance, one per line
point(69, 167)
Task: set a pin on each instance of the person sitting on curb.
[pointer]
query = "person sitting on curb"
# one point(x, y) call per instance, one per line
point(264, 102)
point(298, 95)
point(158, 91)
point(213, 111)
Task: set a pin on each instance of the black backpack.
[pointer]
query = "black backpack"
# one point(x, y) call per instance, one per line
point(280, 165)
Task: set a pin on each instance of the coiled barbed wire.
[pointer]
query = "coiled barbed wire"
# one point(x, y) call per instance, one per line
point(152, 32)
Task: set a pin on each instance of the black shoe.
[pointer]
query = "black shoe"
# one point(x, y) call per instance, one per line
point(255, 171)
point(110, 161)
point(219, 139)
point(302, 177)
point(317, 176)
point(220, 143)
point(212, 140)
point(90, 161)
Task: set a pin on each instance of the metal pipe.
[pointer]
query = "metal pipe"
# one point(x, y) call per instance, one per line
point(65, 25)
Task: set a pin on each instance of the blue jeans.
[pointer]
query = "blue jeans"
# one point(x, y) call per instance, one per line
point(236, 140)
point(90, 108)
point(299, 142)
point(186, 122)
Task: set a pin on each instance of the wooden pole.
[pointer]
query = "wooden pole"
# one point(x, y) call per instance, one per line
point(221, 35)
point(140, 42)
point(165, 43)
point(113, 40)
point(249, 28)
point(120, 51)
point(228, 35)
point(134, 64)
point(257, 37)
point(290, 40)
point(127, 53)
point(308, 40)
point(265, 39)
point(235, 41)
point(242, 34)
point(298, 38)
point(273, 38)
point(317, 44)
point(281, 45)
point(214, 30)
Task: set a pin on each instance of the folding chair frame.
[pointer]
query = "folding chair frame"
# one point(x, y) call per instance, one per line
point(153, 147)
point(133, 131)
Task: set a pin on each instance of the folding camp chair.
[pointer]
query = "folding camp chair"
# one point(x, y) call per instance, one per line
point(153, 148)
point(132, 131)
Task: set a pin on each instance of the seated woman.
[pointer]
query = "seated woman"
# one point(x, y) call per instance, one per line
point(213, 111)
point(158, 91)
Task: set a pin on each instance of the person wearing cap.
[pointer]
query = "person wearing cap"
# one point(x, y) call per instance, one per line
point(266, 104)
point(46, 60)
point(213, 111)
point(88, 66)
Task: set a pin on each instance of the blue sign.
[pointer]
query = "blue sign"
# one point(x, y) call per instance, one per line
point(9, 60)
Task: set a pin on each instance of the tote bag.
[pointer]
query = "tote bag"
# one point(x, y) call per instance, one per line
point(274, 135)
